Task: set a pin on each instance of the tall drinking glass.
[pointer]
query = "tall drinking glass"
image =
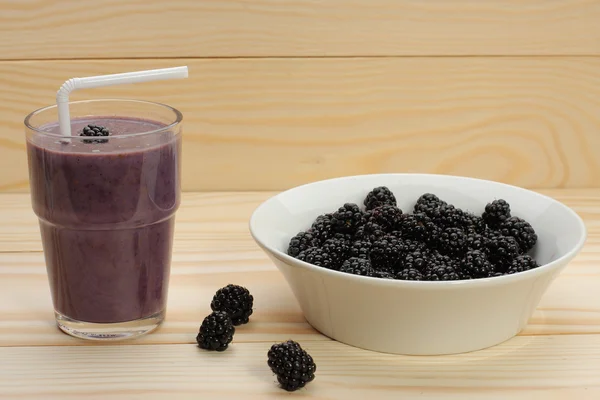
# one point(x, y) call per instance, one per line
point(106, 207)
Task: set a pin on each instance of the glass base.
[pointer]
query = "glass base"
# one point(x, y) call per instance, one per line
point(112, 331)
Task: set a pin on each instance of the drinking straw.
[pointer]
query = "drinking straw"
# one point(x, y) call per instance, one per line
point(62, 96)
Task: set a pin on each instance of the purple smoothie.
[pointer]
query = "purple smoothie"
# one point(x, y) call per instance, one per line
point(106, 215)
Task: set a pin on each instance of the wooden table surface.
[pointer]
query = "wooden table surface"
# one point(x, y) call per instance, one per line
point(556, 357)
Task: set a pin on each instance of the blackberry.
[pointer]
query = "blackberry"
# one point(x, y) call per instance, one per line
point(448, 216)
point(413, 245)
point(317, 256)
point(417, 260)
point(442, 273)
point(96, 131)
point(360, 249)
point(473, 224)
point(410, 274)
point(427, 203)
point(345, 236)
point(301, 242)
point(476, 265)
point(452, 241)
point(338, 249)
point(502, 250)
point(476, 241)
point(379, 196)
point(437, 259)
point(369, 231)
point(496, 212)
point(322, 228)
point(521, 230)
point(489, 234)
point(292, 365)
point(521, 264)
point(387, 216)
point(383, 274)
point(386, 252)
point(236, 301)
point(216, 331)
point(357, 266)
point(417, 227)
point(347, 218)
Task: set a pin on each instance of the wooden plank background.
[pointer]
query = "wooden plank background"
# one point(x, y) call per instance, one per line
point(526, 368)
point(41, 29)
point(283, 93)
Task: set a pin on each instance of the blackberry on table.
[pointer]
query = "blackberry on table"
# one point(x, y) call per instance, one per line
point(347, 218)
point(378, 197)
point(216, 331)
point(292, 365)
point(236, 301)
point(476, 265)
point(387, 216)
point(338, 249)
point(452, 241)
point(521, 230)
point(386, 252)
point(502, 250)
point(357, 266)
point(360, 248)
point(410, 274)
point(522, 263)
point(95, 131)
point(496, 212)
point(301, 242)
point(317, 256)
point(427, 203)
point(369, 231)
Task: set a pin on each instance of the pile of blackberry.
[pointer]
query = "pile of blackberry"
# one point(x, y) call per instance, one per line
point(436, 242)
point(232, 306)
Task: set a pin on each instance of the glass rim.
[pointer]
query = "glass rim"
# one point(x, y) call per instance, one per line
point(178, 117)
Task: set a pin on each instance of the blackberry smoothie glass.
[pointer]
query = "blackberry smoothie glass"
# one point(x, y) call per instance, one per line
point(106, 207)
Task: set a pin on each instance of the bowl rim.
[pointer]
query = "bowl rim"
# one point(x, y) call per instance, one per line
point(481, 282)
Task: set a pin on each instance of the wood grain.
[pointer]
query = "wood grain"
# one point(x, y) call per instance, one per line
point(27, 316)
point(42, 29)
point(556, 357)
point(546, 367)
point(213, 248)
point(270, 124)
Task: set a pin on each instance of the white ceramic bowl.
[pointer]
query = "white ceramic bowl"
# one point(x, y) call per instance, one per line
point(408, 317)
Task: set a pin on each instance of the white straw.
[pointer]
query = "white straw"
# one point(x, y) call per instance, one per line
point(62, 96)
